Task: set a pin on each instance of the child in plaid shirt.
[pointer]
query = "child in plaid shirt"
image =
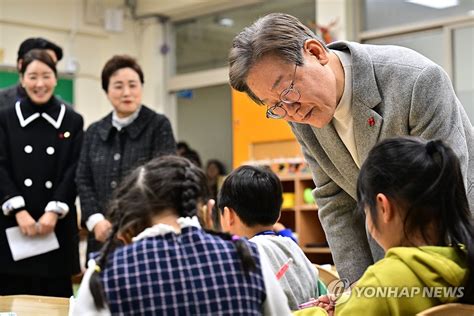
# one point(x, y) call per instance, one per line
point(169, 265)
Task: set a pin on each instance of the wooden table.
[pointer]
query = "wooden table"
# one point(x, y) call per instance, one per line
point(26, 305)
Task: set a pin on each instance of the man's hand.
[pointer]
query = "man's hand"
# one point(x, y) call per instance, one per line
point(47, 223)
point(26, 223)
point(102, 230)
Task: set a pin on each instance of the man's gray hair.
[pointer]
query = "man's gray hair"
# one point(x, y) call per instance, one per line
point(279, 34)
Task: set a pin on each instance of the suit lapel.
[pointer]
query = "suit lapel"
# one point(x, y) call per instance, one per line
point(367, 126)
point(337, 152)
point(365, 97)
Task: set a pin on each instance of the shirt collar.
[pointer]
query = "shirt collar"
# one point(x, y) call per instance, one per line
point(119, 122)
point(133, 130)
point(162, 229)
point(52, 111)
point(343, 109)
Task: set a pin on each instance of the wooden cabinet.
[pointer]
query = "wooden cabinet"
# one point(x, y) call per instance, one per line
point(303, 218)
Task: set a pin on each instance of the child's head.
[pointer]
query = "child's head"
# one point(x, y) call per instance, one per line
point(413, 193)
point(415, 186)
point(254, 194)
point(167, 184)
point(214, 169)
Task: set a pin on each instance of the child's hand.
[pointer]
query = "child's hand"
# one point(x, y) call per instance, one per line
point(325, 302)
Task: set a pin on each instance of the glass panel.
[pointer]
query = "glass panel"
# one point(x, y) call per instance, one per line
point(205, 122)
point(463, 50)
point(204, 42)
point(388, 13)
point(426, 43)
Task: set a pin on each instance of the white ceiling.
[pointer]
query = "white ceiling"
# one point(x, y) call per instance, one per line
point(184, 9)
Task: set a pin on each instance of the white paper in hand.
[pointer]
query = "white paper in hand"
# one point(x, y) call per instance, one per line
point(23, 246)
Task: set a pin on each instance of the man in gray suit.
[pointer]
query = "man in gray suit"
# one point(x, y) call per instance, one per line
point(9, 96)
point(340, 100)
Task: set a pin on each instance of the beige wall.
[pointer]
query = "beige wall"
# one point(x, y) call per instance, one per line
point(87, 45)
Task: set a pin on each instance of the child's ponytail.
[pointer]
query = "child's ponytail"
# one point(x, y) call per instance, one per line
point(246, 258)
point(456, 225)
point(95, 283)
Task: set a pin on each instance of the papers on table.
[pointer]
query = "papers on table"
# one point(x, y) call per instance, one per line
point(23, 246)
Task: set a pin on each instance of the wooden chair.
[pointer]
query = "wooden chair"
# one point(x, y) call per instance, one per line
point(451, 309)
point(325, 275)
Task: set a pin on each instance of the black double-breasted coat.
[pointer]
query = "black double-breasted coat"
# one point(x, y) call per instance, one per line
point(39, 151)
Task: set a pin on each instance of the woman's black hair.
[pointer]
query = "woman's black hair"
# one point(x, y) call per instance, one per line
point(166, 183)
point(424, 179)
point(118, 62)
point(40, 55)
point(219, 165)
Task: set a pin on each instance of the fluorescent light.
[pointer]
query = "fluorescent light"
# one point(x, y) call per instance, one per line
point(226, 22)
point(437, 4)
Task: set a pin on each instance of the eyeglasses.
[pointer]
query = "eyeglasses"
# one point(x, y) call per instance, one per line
point(287, 97)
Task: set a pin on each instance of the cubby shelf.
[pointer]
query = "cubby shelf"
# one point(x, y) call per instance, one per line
point(303, 218)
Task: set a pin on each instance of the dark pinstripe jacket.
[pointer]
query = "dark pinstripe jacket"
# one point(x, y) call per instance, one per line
point(8, 96)
point(108, 155)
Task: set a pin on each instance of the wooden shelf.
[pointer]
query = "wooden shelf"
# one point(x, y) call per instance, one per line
point(295, 176)
point(316, 249)
point(308, 207)
point(303, 219)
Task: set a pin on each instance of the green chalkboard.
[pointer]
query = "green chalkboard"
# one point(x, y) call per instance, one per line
point(64, 90)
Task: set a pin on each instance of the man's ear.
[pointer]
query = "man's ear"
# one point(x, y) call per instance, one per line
point(315, 48)
point(385, 207)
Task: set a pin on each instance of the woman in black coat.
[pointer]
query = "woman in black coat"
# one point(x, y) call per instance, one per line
point(40, 140)
point(131, 135)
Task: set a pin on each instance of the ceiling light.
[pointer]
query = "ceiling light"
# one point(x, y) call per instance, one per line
point(436, 4)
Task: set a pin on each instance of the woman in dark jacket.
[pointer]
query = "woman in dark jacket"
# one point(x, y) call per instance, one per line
point(40, 140)
point(131, 135)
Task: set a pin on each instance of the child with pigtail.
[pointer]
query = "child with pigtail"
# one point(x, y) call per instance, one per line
point(167, 263)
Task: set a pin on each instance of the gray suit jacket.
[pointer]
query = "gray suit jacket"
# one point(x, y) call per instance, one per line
point(406, 94)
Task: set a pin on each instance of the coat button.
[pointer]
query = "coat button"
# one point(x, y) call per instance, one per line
point(50, 150)
point(28, 149)
point(28, 182)
point(116, 156)
point(48, 184)
point(113, 184)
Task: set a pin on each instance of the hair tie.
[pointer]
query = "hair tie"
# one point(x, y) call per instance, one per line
point(97, 269)
point(235, 237)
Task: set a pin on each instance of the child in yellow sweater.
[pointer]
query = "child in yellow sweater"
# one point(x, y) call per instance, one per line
point(414, 200)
